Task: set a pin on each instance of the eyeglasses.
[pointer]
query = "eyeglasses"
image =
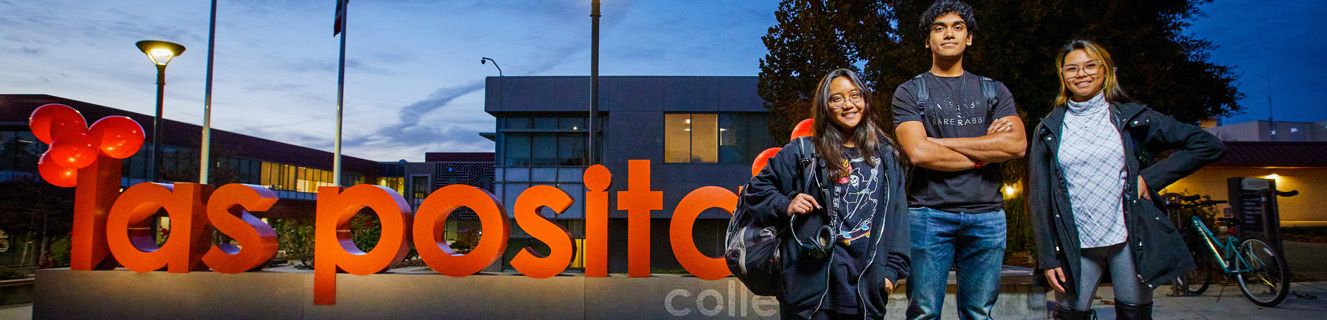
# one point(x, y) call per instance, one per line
point(1091, 68)
point(837, 102)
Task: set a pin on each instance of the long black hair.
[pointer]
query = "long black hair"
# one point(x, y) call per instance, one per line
point(828, 137)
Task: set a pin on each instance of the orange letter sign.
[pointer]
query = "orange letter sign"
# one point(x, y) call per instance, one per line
point(226, 210)
point(98, 185)
point(559, 242)
point(638, 201)
point(333, 248)
point(684, 244)
point(431, 220)
point(129, 231)
point(596, 178)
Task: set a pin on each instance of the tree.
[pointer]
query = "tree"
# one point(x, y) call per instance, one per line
point(810, 39)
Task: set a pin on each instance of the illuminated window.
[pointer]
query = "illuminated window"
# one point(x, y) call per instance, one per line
point(691, 138)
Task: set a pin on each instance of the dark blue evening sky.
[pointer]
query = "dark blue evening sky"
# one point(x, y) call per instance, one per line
point(414, 82)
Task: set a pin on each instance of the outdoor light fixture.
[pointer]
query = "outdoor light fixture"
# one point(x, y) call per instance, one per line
point(495, 64)
point(161, 53)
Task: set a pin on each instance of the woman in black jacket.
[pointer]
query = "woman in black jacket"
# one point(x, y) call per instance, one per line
point(1093, 188)
point(848, 214)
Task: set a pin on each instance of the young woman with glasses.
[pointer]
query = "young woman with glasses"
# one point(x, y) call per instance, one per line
point(1093, 183)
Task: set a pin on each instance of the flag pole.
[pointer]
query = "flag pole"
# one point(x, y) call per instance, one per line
point(340, 96)
point(204, 165)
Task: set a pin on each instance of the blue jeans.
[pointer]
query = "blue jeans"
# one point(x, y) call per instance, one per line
point(976, 241)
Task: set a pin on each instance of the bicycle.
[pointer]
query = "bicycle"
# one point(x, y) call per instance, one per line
point(1259, 269)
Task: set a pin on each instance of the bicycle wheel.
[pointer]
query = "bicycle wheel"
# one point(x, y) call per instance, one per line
point(1195, 282)
point(1268, 282)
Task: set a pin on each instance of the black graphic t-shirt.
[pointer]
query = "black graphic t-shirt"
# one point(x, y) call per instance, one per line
point(955, 108)
point(856, 194)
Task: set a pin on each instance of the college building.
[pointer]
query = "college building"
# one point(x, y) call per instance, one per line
point(694, 131)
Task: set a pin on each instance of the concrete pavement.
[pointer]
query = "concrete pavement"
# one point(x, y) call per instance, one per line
point(1307, 300)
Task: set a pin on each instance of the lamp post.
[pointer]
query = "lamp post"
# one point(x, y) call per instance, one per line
point(161, 53)
point(594, 76)
point(482, 60)
point(502, 84)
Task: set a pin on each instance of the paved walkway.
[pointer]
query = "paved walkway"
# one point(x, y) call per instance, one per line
point(1307, 300)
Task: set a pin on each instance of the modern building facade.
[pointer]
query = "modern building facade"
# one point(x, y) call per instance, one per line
point(695, 131)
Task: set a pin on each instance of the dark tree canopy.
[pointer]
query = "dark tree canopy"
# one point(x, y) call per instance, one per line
point(810, 39)
point(1016, 43)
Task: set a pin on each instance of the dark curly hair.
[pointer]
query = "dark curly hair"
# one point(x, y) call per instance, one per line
point(940, 8)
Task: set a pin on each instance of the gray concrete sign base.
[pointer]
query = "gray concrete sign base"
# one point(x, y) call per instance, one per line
point(419, 293)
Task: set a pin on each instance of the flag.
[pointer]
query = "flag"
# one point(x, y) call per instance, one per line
point(340, 16)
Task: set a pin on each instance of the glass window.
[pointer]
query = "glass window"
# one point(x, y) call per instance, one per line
point(518, 123)
point(691, 138)
point(138, 165)
point(677, 138)
point(545, 150)
point(518, 174)
point(571, 149)
point(543, 175)
point(758, 131)
point(545, 123)
point(7, 146)
point(517, 150)
point(732, 138)
point(570, 174)
point(574, 124)
point(419, 186)
point(704, 138)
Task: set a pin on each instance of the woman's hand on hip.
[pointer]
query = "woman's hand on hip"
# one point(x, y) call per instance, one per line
point(1142, 189)
point(1055, 277)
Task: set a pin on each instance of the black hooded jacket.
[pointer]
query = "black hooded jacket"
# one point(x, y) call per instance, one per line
point(806, 279)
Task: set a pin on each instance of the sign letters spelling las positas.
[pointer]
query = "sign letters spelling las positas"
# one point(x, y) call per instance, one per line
point(113, 227)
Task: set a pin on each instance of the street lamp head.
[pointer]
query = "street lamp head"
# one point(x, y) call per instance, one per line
point(160, 51)
point(483, 60)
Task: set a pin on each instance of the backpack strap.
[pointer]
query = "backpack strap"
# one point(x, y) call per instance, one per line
point(814, 176)
point(988, 87)
point(919, 90)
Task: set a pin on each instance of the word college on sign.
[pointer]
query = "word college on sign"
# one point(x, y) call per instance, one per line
point(113, 227)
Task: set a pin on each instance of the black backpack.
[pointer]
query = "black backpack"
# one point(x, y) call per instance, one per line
point(753, 248)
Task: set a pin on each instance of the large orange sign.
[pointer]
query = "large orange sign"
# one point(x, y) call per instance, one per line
point(111, 226)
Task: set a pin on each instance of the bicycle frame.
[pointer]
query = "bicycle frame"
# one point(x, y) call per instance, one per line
point(1230, 248)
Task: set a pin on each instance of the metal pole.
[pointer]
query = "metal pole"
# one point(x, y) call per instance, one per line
point(204, 163)
point(340, 98)
point(594, 78)
point(156, 125)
